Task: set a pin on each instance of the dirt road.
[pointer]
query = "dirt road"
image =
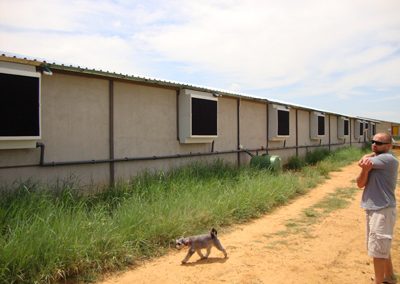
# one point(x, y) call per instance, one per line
point(281, 247)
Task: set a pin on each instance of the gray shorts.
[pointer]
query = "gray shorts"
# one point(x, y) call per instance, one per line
point(380, 226)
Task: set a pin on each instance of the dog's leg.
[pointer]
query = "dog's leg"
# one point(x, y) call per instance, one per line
point(208, 251)
point(189, 254)
point(200, 254)
point(220, 247)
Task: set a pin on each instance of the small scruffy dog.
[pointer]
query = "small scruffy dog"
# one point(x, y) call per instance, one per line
point(196, 243)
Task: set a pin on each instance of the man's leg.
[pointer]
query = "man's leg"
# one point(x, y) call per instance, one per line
point(379, 267)
point(389, 274)
point(380, 231)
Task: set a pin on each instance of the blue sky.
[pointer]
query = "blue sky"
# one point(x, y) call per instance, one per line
point(341, 56)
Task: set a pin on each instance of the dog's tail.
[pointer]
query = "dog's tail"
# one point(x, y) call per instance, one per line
point(213, 233)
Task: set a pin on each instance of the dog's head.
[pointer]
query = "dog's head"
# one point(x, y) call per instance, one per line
point(213, 233)
point(180, 243)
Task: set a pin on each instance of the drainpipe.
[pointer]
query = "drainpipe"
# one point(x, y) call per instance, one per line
point(329, 135)
point(267, 117)
point(41, 146)
point(297, 134)
point(248, 151)
point(111, 132)
point(150, 158)
point(350, 132)
point(238, 131)
point(177, 115)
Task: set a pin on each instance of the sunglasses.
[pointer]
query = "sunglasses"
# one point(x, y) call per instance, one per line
point(378, 143)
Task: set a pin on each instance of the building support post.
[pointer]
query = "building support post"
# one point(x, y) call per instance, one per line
point(111, 132)
point(238, 131)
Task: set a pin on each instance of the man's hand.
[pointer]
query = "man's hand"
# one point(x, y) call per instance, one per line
point(366, 166)
point(365, 163)
point(370, 155)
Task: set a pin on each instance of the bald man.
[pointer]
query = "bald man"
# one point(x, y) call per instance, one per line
point(378, 178)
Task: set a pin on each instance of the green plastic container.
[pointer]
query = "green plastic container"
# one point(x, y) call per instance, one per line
point(275, 163)
point(261, 162)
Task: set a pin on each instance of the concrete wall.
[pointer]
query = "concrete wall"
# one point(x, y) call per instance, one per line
point(76, 126)
point(144, 125)
point(253, 127)
point(384, 127)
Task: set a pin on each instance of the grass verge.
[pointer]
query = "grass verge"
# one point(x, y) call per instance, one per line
point(52, 233)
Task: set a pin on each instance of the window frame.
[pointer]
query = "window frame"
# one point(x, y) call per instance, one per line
point(341, 129)
point(315, 125)
point(25, 71)
point(358, 123)
point(185, 119)
point(274, 122)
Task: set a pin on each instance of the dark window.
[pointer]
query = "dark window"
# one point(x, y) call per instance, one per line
point(204, 117)
point(373, 129)
point(321, 125)
point(283, 122)
point(366, 126)
point(361, 128)
point(19, 105)
point(346, 127)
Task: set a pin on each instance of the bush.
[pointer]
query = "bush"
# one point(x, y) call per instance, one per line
point(317, 155)
point(295, 163)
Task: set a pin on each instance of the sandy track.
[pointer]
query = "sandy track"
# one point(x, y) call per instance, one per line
point(331, 251)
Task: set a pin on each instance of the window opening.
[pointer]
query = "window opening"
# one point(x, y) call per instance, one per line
point(283, 122)
point(204, 117)
point(19, 106)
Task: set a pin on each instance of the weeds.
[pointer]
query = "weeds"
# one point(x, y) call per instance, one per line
point(295, 163)
point(316, 156)
point(324, 160)
point(50, 233)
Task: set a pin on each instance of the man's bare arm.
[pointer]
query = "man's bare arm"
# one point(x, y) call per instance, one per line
point(366, 165)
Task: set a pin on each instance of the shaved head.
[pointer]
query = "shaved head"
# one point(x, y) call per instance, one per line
point(383, 137)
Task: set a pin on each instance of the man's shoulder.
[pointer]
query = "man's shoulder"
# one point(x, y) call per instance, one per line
point(391, 158)
point(386, 157)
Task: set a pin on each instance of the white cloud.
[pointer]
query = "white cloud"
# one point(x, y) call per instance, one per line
point(292, 49)
point(94, 51)
point(387, 115)
point(395, 98)
point(355, 60)
point(269, 44)
point(38, 14)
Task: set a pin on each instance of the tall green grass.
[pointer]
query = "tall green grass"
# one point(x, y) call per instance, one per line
point(324, 160)
point(49, 233)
